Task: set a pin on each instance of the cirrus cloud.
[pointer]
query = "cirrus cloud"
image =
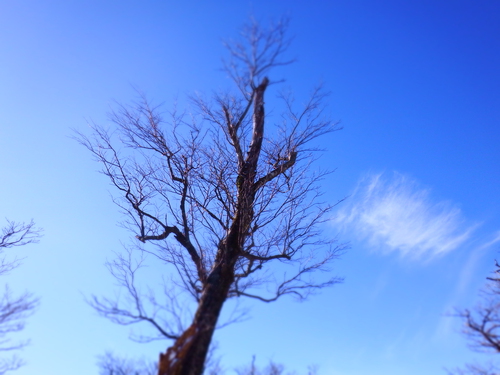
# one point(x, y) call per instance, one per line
point(395, 214)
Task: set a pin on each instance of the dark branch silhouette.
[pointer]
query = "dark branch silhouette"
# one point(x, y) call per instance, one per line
point(110, 364)
point(14, 309)
point(482, 327)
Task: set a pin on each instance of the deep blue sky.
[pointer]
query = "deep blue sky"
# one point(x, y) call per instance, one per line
point(415, 85)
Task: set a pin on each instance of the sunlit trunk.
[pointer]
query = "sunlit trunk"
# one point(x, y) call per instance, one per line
point(187, 355)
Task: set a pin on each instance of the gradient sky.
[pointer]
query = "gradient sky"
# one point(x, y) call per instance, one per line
point(415, 85)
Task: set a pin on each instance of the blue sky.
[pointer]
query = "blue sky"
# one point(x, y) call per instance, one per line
point(415, 86)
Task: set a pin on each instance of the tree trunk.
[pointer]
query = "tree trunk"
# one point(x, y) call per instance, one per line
point(187, 355)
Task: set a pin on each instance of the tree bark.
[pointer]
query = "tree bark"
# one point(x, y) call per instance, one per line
point(187, 355)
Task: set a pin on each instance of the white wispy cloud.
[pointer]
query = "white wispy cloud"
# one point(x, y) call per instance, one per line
point(395, 214)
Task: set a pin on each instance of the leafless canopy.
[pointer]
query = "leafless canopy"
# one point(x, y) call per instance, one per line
point(14, 310)
point(18, 234)
point(482, 326)
point(110, 364)
point(271, 369)
point(211, 195)
point(475, 369)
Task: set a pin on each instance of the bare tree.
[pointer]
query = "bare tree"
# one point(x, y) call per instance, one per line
point(110, 364)
point(272, 368)
point(14, 310)
point(474, 369)
point(482, 326)
point(217, 200)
